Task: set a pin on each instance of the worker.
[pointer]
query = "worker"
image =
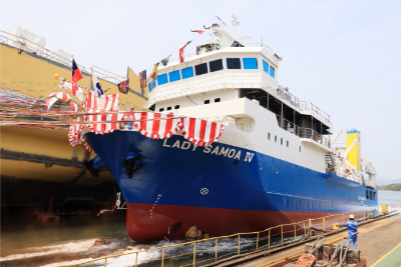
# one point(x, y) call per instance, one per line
point(352, 231)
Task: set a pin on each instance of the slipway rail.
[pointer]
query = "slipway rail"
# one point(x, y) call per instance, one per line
point(216, 249)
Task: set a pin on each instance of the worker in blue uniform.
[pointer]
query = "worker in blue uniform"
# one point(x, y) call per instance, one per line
point(352, 231)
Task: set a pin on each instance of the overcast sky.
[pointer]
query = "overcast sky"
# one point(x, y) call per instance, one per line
point(344, 56)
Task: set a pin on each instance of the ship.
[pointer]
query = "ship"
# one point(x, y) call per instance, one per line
point(243, 154)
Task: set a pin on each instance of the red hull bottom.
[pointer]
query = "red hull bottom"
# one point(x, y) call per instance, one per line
point(148, 222)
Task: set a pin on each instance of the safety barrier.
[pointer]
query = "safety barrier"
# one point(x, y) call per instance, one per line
point(206, 251)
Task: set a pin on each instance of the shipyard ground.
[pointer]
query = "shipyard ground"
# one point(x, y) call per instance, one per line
point(379, 242)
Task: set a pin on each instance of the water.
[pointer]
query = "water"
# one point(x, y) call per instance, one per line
point(389, 197)
point(29, 243)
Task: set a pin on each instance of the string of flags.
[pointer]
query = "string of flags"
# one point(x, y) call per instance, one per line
point(62, 100)
point(164, 62)
point(123, 86)
point(101, 116)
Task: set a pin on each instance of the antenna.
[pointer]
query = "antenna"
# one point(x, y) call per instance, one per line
point(221, 20)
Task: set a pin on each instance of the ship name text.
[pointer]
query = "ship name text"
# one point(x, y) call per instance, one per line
point(210, 149)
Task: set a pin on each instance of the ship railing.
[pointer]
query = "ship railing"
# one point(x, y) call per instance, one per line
point(210, 250)
point(309, 106)
point(283, 94)
point(302, 132)
point(23, 44)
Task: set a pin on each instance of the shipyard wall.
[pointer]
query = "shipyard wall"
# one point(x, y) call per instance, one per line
point(39, 165)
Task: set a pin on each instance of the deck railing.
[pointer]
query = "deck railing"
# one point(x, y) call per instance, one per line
point(210, 250)
point(283, 94)
point(302, 132)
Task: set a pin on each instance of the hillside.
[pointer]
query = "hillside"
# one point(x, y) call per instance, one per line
point(390, 187)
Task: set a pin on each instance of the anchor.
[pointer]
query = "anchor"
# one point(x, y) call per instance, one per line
point(94, 166)
point(131, 163)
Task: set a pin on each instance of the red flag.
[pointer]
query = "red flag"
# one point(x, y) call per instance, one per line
point(198, 31)
point(76, 76)
point(142, 79)
point(154, 73)
point(181, 53)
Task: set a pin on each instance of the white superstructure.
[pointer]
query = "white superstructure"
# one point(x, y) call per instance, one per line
point(234, 84)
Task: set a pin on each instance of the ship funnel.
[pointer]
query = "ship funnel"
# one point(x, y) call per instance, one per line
point(353, 148)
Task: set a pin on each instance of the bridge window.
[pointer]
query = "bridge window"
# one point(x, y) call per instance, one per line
point(367, 194)
point(177, 107)
point(207, 101)
point(174, 76)
point(288, 144)
point(233, 63)
point(265, 67)
point(275, 138)
point(250, 63)
point(374, 195)
point(281, 141)
point(370, 195)
point(216, 65)
point(272, 70)
point(187, 72)
point(161, 109)
point(268, 136)
point(152, 85)
point(201, 69)
point(169, 108)
point(162, 79)
point(299, 148)
point(217, 100)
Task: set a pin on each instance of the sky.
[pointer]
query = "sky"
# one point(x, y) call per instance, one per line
point(342, 55)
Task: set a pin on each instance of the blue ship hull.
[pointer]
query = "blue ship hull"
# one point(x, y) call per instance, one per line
point(222, 190)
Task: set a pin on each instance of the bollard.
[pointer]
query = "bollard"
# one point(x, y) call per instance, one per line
point(268, 241)
point(105, 262)
point(136, 259)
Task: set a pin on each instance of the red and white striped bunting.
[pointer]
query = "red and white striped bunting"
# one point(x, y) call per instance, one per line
point(60, 96)
point(88, 148)
point(201, 132)
point(153, 125)
point(74, 134)
point(102, 127)
point(157, 125)
point(109, 103)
